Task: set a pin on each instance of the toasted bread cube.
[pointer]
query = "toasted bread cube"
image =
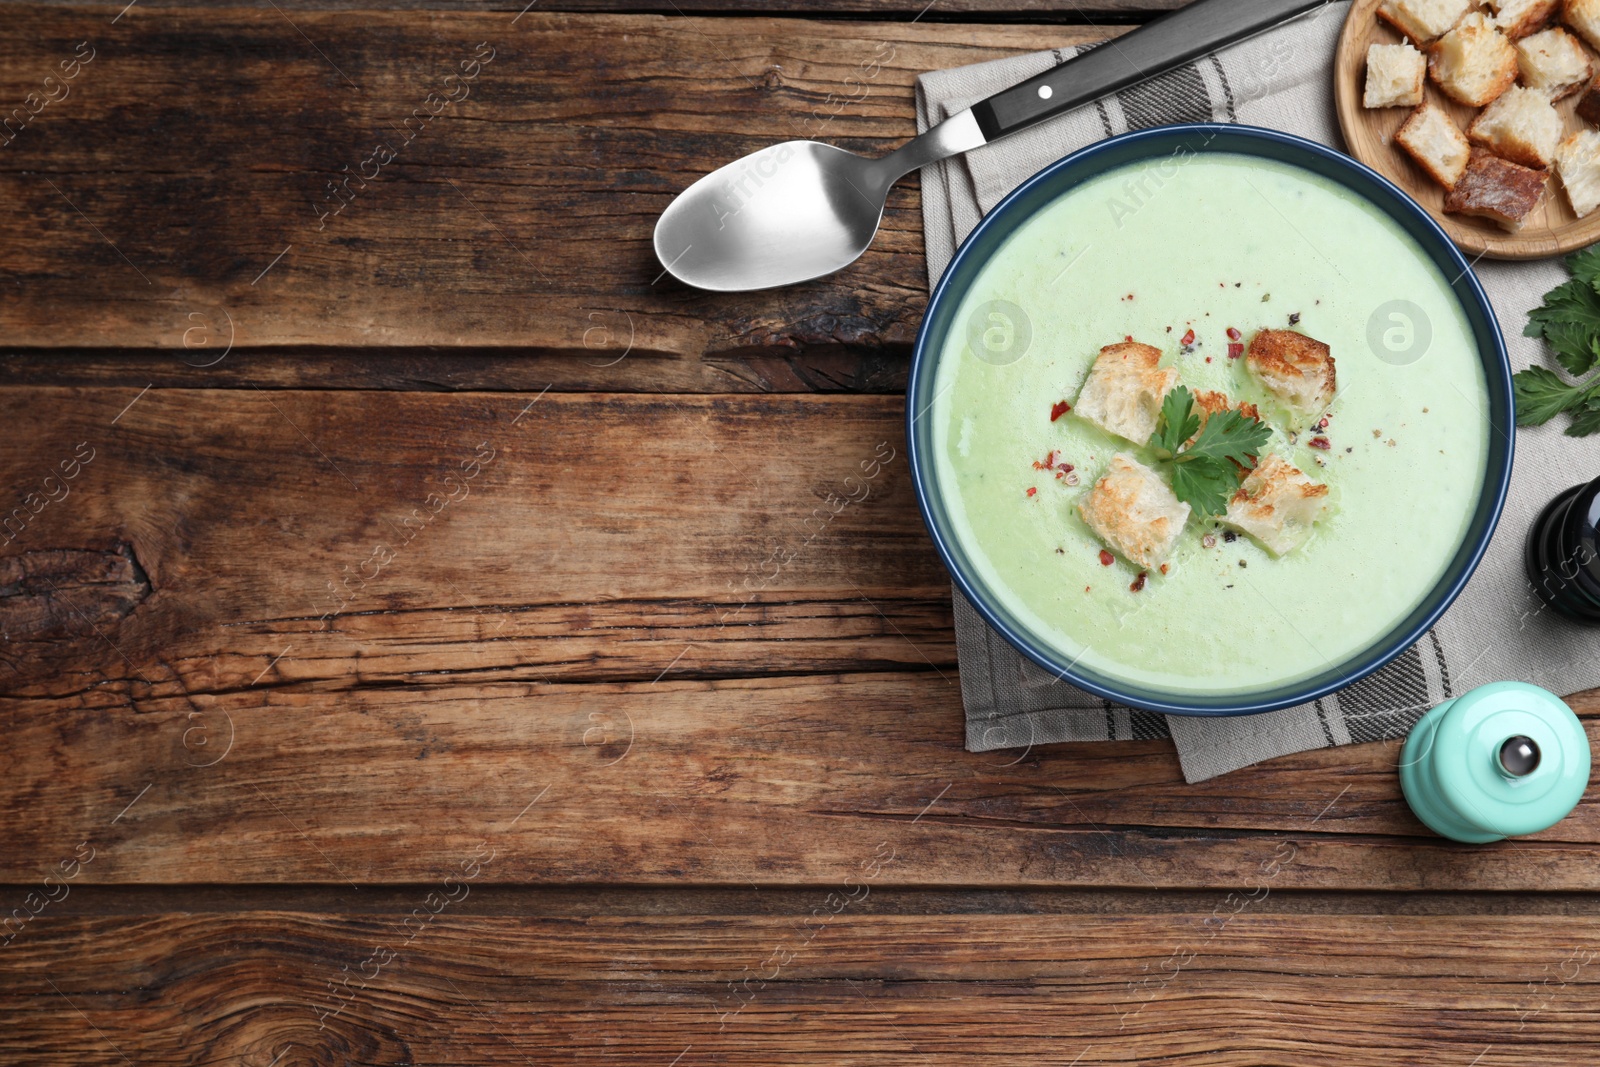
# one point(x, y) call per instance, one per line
point(1432, 139)
point(1578, 163)
point(1553, 62)
point(1423, 20)
point(1518, 18)
point(1492, 188)
point(1521, 125)
point(1131, 509)
point(1277, 505)
point(1124, 390)
point(1394, 76)
point(1209, 402)
point(1583, 16)
point(1293, 367)
point(1473, 63)
point(1588, 108)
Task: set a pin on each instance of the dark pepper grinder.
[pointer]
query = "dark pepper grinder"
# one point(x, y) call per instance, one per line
point(1563, 554)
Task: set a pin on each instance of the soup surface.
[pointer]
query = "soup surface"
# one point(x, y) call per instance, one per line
point(1209, 243)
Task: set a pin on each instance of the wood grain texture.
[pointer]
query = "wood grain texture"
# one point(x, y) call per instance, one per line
point(666, 611)
point(766, 781)
point(1550, 229)
point(152, 202)
point(799, 369)
point(1210, 988)
point(984, 11)
point(597, 537)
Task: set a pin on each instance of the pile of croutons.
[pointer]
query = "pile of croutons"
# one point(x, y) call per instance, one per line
point(1131, 508)
point(1513, 60)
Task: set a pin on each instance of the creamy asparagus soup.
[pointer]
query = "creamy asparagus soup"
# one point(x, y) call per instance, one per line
point(1073, 436)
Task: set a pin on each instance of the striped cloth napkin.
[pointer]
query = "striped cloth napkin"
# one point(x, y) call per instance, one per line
point(1497, 629)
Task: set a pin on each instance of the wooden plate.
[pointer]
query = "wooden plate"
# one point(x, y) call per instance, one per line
point(1550, 230)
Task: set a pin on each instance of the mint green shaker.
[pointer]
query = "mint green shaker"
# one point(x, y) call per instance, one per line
point(1505, 759)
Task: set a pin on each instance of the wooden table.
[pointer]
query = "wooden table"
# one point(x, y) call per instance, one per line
point(428, 657)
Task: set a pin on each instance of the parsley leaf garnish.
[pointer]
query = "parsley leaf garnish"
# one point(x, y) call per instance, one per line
point(1202, 475)
point(1204, 486)
point(1569, 322)
point(1587, 421)
point(1543, 394)
point(1228, 435)
point(1585, 266)
point(1178, 421)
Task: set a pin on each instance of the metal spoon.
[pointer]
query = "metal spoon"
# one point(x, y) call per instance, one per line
point(801, 209)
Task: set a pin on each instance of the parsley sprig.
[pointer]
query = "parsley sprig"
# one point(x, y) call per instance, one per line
point(1569, 321)
point(1202, 475)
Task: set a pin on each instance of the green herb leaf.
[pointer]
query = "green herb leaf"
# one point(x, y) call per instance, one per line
point(1178, 422)
point(1585, 421)
point(1570, 320)
point(1542, 395)
point(1577, 348)
point(1202, 475)
point(1585, 266)
point(1228, 435)
point(1205, 485)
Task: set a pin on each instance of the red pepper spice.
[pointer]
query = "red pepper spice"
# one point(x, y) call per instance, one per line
point(1106, 558)
point(1320, 442)
point(1058, 409)
point(1138, 583)
point(1032, 489)
point(1187, 338)
point(1233, 335)
point(1128, 337)
point(1322, 423)
point(1235, 350)
point(1164, 567)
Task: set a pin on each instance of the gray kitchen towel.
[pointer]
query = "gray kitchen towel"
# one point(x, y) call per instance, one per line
point(1497, 629)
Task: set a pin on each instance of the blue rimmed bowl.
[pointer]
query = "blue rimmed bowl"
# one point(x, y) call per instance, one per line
point(1152, 146)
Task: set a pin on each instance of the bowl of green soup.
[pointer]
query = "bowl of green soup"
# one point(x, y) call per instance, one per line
point(1115, 457)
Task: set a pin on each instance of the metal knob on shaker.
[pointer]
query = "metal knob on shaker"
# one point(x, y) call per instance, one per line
point(1505, 759)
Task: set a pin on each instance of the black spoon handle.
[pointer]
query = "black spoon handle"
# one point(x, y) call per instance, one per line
point(1154, 48)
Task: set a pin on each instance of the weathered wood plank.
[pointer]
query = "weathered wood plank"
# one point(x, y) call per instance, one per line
point(1070, 11)
point(396, 539)
point(758, 781)
point(815, 987)
point(182, 189)
point(813, 369)
point(612, 567)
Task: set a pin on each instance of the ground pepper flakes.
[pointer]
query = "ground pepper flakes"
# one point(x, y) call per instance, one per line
point(1058, 409)
point(1106, 558)
point(1138, 583)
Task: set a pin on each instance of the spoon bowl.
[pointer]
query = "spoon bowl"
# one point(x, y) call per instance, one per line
point(788, 213)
